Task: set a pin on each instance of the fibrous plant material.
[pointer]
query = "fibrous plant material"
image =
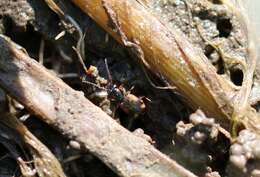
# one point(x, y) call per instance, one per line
point(170, 55)
point(163, 52)
point(68, 111)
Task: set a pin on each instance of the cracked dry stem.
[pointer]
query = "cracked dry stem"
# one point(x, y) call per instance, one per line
point(168, 53)
point(164, 51)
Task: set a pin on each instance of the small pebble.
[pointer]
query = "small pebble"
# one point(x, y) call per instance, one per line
point(256, 150)
point(255, 173)
point(199, 137)
point(239, 161)
point(236, 149)
point(74, 144)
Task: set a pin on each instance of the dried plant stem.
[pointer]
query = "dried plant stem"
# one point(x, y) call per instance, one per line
point(168, 53)
point(68, 111)
point(241, 101)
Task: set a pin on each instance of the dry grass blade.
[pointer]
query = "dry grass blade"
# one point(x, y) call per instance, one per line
point(168, 53)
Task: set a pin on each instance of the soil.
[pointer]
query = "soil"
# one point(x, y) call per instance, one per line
point(207, 24)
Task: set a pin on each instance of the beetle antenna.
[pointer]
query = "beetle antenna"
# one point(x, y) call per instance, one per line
point(80, 59)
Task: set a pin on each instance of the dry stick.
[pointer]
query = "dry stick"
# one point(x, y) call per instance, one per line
point(168, 53)
point(78, 119)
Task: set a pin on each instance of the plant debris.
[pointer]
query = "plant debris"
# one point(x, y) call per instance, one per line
point(208, 41)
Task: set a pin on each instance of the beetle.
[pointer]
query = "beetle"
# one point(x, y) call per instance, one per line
point(128, 102)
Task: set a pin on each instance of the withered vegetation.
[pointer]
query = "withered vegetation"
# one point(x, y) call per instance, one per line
point(109, 87)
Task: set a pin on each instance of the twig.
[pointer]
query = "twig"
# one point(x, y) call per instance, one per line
point(68, 111)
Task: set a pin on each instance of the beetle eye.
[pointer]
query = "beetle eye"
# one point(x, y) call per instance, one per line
point(117, 94)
